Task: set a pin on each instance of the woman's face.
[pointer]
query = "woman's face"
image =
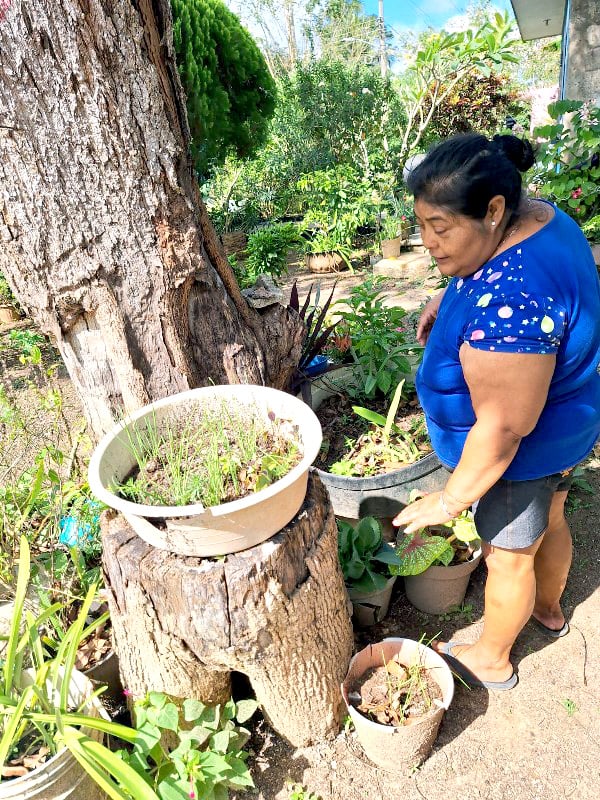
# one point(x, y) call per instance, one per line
point(459, 244)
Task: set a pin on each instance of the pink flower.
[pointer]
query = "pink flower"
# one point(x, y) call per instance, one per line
point(127, 693)
point(576, 193)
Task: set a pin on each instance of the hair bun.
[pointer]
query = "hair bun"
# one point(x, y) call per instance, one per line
point(519, 151)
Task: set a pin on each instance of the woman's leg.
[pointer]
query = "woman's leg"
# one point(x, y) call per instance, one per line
point(510, 593)
point(552, 563)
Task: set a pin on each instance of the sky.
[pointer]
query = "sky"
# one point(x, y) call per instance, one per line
point(416, 15)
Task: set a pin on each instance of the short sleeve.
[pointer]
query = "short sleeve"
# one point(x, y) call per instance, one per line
point(519, 323)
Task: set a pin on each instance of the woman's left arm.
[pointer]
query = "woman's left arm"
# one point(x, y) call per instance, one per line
point(508, 392)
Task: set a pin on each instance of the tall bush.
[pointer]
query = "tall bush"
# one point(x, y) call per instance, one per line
point(230, 92)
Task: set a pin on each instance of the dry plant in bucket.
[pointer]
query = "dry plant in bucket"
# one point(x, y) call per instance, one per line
point(396, 694)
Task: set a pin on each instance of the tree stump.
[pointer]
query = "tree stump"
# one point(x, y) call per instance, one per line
point(277, 613)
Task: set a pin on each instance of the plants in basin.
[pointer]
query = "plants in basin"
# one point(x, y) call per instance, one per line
point(217, 455)
point(38, 713)
point(206, 761)
point(366, 560)
point(330, 240)
point(451, 543)
point(385, 445)
point(381, 349)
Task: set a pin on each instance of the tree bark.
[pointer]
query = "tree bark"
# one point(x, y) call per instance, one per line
point(104, 237)
point(277, 612)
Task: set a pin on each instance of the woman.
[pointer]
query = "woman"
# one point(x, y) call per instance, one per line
point(509, 382)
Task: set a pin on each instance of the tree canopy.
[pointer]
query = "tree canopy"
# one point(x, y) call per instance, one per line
point(230, 92)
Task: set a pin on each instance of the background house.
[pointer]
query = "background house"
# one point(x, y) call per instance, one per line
point(579, 23)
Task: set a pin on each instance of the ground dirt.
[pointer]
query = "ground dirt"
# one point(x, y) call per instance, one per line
point(540, 741)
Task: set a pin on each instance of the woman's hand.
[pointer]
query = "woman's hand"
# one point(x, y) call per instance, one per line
point(422, 513)
point(428, 317)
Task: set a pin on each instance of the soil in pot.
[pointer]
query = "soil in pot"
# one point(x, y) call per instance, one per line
point(394, 694)
point(353, 446)
point(215, 456)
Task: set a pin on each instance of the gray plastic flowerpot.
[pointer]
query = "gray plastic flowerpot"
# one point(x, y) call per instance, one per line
point(383, 495)
point(394, 748)
point(437, 589)
point(370, 608)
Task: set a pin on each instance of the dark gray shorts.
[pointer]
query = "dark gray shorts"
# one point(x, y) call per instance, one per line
point(513, 514)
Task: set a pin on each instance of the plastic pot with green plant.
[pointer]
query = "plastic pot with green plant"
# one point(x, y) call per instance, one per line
point(437, 563)
point(366, 562)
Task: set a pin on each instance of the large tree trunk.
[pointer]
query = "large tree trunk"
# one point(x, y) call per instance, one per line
point(104, 237)
point(277, 612)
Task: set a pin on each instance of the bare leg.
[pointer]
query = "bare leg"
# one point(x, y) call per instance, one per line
point(552, 563)
point(510, 593)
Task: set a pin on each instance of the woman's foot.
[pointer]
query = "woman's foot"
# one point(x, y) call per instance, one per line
point(477, 662)
point(551, 618)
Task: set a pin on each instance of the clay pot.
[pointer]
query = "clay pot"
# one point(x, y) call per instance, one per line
point(437, 589)
point(393, 748)
point(325, 262)
point(391, 248)
point(9, 314)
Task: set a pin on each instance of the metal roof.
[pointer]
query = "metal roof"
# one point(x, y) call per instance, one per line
point(539, 18)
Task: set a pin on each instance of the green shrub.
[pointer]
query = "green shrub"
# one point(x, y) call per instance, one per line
point(230, 92)
point(568, 169)
point(267, 250)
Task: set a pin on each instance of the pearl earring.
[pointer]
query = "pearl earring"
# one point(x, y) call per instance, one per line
point(493, 222)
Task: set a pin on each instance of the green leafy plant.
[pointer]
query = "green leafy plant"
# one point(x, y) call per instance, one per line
point(299, 792)
point(212, 458)
point(207, 759)
point(385, 445)
point(330, 241)
point(379, 341)
point(569, 705)
point(579, 486)
point(420, 550)
point(568, 166)
point(267, 251)
point(36, 709)
point(366, 560)
point(591, 228)
point(392, 227)
point(6, 294)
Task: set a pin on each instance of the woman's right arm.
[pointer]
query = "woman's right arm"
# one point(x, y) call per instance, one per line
point(428, 317)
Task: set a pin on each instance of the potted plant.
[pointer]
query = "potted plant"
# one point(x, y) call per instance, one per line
point(209, 471)
point(327, 251)
point(9, 306)
point(51, 722)
point(366, 561)
point(393, 234)
point(437, 564)
point(396, 692)
point(383, 467)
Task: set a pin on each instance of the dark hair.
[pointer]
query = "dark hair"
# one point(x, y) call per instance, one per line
point(464, 172)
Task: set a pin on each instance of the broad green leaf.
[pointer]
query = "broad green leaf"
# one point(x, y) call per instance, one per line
point(245, 709)
point(418, 552)
point(168, 717)
point(172, 788)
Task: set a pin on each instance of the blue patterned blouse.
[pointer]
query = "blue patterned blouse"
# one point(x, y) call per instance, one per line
point(540, 296)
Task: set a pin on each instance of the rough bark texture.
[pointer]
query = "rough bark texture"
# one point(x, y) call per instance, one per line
point(277, 612)
point(103, 235)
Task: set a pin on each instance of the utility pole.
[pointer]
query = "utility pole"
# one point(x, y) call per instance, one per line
point(383, 62)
